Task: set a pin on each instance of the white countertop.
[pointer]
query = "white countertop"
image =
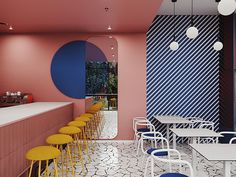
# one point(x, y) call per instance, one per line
point(194, 132)
point(224, 152)
point(16, 113)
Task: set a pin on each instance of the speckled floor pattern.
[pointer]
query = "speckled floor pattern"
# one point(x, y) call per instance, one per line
point(119, 159)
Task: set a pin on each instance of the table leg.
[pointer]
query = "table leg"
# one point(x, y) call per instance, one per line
point(227, 169)
point(194, 156)
point(168, 132)
point(174, 138)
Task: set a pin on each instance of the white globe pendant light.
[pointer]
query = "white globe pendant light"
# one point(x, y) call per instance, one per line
point(218, 46)
point(226, 7)
point(174, 46)
point(192, 32)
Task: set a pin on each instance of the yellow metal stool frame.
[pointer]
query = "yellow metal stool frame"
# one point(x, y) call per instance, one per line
point(87, 129)
point(59, 140)
point(74, 132)
point(43, 153)
point(81, 125)
point(93, 125)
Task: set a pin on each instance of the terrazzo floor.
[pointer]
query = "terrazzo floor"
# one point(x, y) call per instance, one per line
point(119, 159)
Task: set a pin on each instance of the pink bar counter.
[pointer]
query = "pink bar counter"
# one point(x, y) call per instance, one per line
point(26, 126)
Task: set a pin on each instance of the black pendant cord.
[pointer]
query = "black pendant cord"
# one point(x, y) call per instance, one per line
point(174, 22)
point(192, 14)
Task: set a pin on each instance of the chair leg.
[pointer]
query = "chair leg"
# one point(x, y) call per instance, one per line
point(146, 166)
point(138, 147)
point(152, 167)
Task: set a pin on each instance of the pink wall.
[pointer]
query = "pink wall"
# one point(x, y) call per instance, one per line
point(25, 65)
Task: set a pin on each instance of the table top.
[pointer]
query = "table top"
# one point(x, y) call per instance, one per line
point(195, 132)
point(221, 152)
point(172, 119)
point(13, 114)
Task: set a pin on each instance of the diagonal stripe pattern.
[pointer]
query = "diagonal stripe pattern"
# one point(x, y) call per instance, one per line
point(183, 82)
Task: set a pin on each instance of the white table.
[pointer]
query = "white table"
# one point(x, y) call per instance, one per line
point(217, 152)
point(171, 120)
point(195, 133)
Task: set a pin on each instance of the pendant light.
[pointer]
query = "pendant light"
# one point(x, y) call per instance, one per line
point(226, 7)
point(192, 32)
point(174, 45)
point(218, 45)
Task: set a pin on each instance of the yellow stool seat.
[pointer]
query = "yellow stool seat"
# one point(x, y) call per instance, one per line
point(81, 118)
point(59, 139)
point(87, 115)
point(77, 123)
point(43, 153)
point(69, 130)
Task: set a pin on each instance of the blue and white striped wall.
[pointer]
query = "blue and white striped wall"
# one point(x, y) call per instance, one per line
point(183, 82)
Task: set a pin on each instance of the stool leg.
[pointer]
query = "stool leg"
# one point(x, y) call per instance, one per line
point(47, 170)
point(71, 162)
point(80, 153)
point(55, 167)
point(31, 167)
point(66, 157)
point(62, 161)
point(39, 169)
point(86, 144)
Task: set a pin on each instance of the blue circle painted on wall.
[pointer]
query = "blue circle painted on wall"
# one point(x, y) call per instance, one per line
point(68, 67)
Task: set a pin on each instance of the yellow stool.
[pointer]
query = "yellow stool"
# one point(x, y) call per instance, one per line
point(43, 153)
point(94, 124)
point(74, 132)
point(81, 125)
point(59, 140)
point(113, 102)
point(89, 132)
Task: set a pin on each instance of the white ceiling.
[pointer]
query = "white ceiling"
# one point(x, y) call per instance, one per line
point(183, 7)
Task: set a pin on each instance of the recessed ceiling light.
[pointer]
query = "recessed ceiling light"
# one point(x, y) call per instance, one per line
point(109, 28)
point(112, 48)
point(10, 28)
point(113, 55)
point(110, 37)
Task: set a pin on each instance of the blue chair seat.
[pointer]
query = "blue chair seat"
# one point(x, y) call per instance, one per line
point(163, 153)
point(150, 134)
point(143, 130)
point(173, 175)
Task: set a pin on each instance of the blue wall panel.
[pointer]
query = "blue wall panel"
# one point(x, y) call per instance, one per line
point(183, 82)
point(68, 69)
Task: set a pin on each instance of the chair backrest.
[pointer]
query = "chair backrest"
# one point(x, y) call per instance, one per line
point(228, 135)
point(168, 160)
point(155, 137)
point(135, 119)
point(143, 123)
point(232, 140)
point(194, 120)
point(207, 124)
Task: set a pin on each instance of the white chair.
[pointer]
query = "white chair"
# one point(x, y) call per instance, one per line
point(154, 138)
point(228, 135)
point(135, 119)
point(208, 125)
point(170, 161)
point(232, 140)
point(142, 126)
